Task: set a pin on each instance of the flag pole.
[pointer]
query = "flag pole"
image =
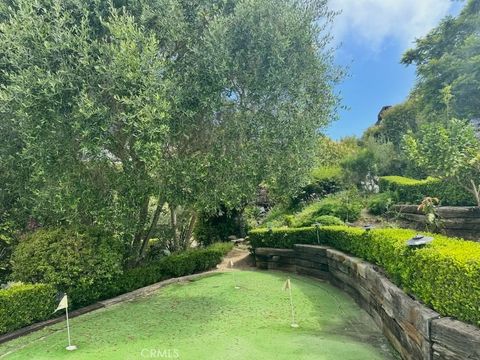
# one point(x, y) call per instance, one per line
point(288, 285)
point(68, 330)
point(70, 347)
point(234, 277)
point(293, 324)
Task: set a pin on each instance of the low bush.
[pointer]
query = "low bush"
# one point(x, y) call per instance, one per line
point(379, 204)
point(175, 265)
point(444, 274)
point(324, 181)
point(81, 262)
point(345, 205)
point(413, 191)
point(23, 304)
point(313, 219)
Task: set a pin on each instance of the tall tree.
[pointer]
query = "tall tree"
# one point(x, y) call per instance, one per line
point(448, 61)
point(119, 108)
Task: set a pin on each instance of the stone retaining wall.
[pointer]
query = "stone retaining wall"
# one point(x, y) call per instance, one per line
point(461, 221)
point(414, 330)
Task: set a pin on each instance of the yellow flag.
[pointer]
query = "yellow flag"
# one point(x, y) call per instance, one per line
point(287, 285)
point(63, 303)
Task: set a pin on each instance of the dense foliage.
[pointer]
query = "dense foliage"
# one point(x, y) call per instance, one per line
point(450, 151)
point(110, 110)
point(23, 304)
point(181, 264)
point(444, 274)
point(413, 191)
point(447, 61)
point(80, 262)
point(218, 227)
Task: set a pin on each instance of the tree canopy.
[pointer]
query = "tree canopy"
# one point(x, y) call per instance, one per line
point(109, 110)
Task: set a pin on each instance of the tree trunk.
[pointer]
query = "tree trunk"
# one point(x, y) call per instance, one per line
point(476, 192)
point(173, 222)
point(142, 219)
point(153, 224)
point(191, 226)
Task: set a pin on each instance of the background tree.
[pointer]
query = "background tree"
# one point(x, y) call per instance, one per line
point(449, 57)
point(450, 152)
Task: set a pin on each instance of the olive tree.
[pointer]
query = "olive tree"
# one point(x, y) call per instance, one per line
point(115, 112)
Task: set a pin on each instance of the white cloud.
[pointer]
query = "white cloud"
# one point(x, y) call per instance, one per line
point(374, 21)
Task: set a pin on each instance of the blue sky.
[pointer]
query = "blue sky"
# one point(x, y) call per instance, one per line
point(373, 35)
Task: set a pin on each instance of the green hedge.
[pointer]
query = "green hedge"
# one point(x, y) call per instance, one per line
point(413, 191)
point(181, 264)
point(23, 304)
point(81, 262)
point(445, 274)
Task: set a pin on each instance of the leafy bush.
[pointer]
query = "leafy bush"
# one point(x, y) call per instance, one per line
point(413, 191)
point(181, 264)
point(80, 262)
point(277, 216)
point(325, 181)
point(444, 274)
point(379, 204)
point(376, 158)
point(312, 219)
point(23, 304)
point(328, 220)
point(345, 205)
point(8, 240)
point(215, 228)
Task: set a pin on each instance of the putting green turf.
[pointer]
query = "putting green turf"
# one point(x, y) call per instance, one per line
point(209, 319)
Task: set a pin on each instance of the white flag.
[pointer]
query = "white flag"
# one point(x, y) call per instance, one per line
point(63, 303)
point(231, 264)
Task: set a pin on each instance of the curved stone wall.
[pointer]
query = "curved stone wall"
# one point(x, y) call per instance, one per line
point(413, 329)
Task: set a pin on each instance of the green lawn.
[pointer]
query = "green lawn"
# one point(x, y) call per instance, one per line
point(209, 319)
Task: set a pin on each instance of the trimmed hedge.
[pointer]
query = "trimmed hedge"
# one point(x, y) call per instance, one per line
point(180, 264)
point(413, 191)
point(23, 304)
point(445, 274)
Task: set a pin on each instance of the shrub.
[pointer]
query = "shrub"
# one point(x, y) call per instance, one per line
point(8, 241)
point(23, 304)
point(315, 219)
point(180, 264)
point(327, 220)
point(277, 216)
point(414, 191)
point(444, 274)
point(80, 262)
point(346, 205)
point(214, 228)
point(379, 204)
point(325, 181)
